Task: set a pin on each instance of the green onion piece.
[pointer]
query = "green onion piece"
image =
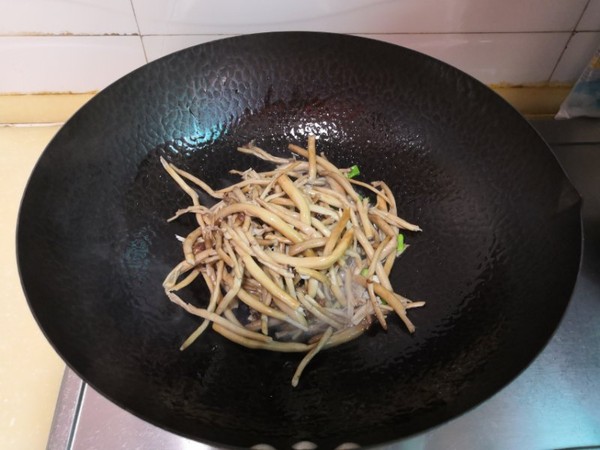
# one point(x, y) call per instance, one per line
point(399, 243)
point(364, 272)
point(353, 172)
point(383, 302)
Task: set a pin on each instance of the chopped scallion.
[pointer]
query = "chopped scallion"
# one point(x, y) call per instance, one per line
point(399, 243)
point(353, 172)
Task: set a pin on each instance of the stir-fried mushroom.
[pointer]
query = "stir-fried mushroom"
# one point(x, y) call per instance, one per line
point(307, 255)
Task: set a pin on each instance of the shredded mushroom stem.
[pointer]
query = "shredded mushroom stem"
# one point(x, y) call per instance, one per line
point(312, 158)
point(395, 220)
point(289, 217)
point(264, 215)
point(310, 304)
point(316, 262)
point(233, 291)
point(232, 326)
point(375, 305)
point(310, 355)
point(296, 196)
point(183, 185)
point(281, 252)
point(199, 183)
point(274, 346)
point(336, 232)
point(388, 195)
point(186, 281)
point(214, 298)
point(260, 153)
point(257, 305)
point(171, 279)
point(377, 256)
point(313, 274)
point(390, 298)
point(345, 335)
point(267, 283)
point(305, 245)
point(383, 225)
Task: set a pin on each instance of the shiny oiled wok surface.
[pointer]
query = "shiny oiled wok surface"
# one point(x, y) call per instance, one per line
point(496, 261)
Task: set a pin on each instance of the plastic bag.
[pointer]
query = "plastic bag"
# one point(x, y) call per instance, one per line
point(584, 98)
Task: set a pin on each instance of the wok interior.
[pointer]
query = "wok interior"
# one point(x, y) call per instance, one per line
point(496, 261)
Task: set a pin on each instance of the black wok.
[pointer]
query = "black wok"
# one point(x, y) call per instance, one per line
point(496, 262)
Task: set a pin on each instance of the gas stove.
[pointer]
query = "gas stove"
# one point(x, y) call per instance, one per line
point(553, 404)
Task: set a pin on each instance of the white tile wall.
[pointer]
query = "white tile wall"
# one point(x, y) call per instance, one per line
point(355, 16)
point(66, 63)
point(493, 58)
point(577, 56)
point(26, 17)
point(590, 21)
point(82, 45)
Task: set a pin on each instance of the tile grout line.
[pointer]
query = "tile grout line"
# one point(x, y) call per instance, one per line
point(65, 35)
point(573, 33)
point(581, 15)
point(137, 24)
point(29, 124)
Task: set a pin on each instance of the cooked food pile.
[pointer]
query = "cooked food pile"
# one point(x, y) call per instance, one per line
point(295, 258)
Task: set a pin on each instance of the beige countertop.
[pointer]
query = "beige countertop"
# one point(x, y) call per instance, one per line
point(30, 370)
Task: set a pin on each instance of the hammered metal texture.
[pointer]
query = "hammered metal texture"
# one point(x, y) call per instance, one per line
point(496, 261)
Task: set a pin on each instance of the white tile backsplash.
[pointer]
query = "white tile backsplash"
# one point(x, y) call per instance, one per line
point(590, 21)
point(23, 17)
point(66, 63)
point(576, 57)
point(355, 16)
point(492, 58)
point(82, 45)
